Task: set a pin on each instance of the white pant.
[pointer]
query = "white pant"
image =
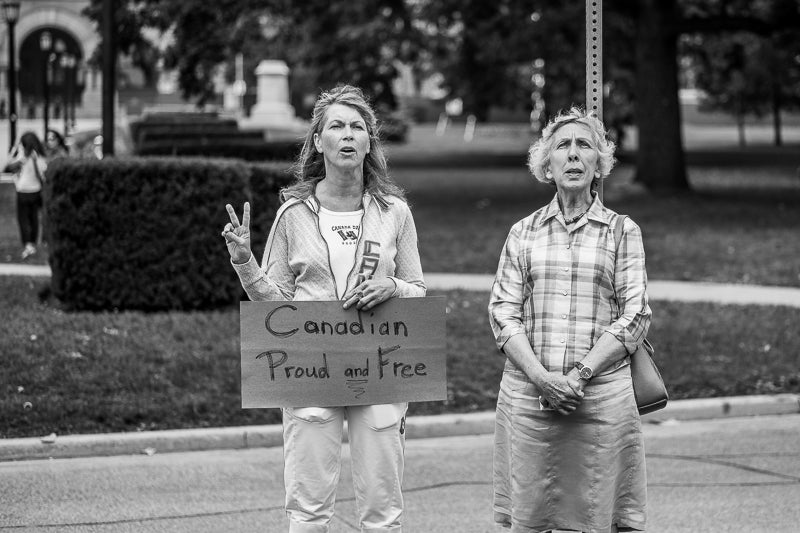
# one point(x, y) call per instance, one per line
point(312, 443)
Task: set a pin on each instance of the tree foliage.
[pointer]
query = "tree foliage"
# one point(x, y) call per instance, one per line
point(484, 50)
point(131, 18)
point(330, 42)
point(746, 74)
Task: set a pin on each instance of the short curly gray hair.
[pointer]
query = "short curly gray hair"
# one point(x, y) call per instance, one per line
point(539, 153)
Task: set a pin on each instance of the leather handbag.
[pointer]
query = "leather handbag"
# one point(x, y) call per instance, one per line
point(648, 385)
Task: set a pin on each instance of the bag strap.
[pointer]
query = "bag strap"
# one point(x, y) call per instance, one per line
point(619, 226)
point(35, 161)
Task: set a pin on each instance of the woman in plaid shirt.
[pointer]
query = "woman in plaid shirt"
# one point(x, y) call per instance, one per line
point(567, 308)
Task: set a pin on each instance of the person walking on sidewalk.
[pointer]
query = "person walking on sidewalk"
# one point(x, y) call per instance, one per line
point(27, 162)
point(344, 232)
point(569, 451)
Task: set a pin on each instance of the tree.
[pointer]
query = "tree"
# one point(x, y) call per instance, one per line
point(355, 42)
point(660, 162)
point(731, 72)
point(659, 23)
point(131, 18)
point(747, 74)
point(484, 50)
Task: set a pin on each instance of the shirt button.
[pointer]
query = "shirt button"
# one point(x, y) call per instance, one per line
point(563, 341)
point(565, 293)
point(563, 316)
point(566, 269)
point(568, 247)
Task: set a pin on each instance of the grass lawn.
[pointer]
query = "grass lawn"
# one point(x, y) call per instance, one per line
point(72, 373)
point(740, 226)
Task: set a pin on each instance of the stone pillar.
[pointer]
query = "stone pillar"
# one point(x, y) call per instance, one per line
point(272, 101)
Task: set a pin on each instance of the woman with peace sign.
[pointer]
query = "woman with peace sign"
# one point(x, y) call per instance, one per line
point(344, 232)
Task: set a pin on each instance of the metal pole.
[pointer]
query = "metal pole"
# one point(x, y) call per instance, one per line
point(46, 94)
point(66, 101)
point(109, 75)
point(594, 63)
point(12, 88)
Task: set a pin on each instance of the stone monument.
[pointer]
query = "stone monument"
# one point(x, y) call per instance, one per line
point(272, 110)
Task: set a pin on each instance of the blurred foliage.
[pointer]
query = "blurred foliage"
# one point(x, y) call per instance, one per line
point(483, 50)
point(745, 74)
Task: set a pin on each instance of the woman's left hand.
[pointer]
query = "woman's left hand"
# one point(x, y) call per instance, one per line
point(369, 293)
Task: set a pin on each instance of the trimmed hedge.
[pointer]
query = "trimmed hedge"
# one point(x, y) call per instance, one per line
point(206, 135)
point(266, 180)
point(239, 146)
point(144, 233)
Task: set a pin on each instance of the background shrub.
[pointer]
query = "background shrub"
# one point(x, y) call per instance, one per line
point(144, 233)
point(207, 135)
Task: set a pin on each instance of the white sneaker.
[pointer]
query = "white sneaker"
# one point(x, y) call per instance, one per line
point(28, 251)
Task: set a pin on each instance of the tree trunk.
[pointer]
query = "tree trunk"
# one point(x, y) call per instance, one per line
point(660, 161)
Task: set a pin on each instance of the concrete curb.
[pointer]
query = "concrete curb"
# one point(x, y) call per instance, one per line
point(417, 427)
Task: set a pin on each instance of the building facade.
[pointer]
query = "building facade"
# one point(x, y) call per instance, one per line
point(53, 41)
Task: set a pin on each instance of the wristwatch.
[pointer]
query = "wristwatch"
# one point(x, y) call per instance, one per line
point(584, 371)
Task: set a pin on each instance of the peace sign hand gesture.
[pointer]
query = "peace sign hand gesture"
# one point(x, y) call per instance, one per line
point(237, 236)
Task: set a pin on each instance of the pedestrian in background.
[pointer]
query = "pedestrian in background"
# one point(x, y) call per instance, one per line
point(27, 162)
point(55, 146)
point(567, 308)
point(344, 232)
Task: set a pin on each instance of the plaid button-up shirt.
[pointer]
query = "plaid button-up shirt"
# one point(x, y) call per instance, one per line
point(557, 286)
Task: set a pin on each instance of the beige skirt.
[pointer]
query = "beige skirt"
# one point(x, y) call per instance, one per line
point(583, 472)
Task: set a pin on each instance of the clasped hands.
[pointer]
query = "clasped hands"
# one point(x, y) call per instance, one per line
point(563, 393)
point(364, 296)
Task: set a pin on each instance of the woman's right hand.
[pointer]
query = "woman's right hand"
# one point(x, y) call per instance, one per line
point(562, 393)
point(237, 236)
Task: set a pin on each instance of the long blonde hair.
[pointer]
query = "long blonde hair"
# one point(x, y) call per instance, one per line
point(309, 168)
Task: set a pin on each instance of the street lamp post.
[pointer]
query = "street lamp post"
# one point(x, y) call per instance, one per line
point(68, 67)
point(11, 15)
point(45, 44)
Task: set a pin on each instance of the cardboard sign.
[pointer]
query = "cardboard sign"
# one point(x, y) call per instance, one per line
point(302, 354)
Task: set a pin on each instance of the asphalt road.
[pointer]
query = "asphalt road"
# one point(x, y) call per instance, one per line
point(725, 475)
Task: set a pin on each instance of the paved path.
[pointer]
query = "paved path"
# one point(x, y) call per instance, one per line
point(728, 475)
point(687, 291)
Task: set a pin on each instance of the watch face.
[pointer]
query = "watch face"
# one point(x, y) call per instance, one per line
point(586, 372)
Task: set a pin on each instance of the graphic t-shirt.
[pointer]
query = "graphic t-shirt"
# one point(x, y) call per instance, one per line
point(341, 230)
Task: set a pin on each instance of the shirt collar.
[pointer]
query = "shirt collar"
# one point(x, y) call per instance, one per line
point(596, 212)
